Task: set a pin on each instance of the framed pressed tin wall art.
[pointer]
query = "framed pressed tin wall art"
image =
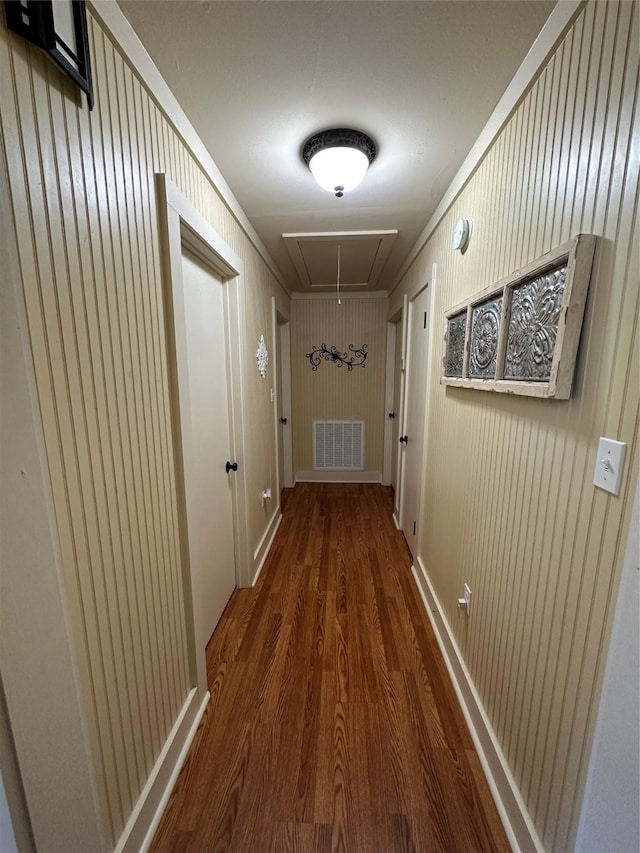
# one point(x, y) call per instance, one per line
point(521, 335)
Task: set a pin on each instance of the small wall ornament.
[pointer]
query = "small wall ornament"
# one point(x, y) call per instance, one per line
point(262, 357)
point(332, 354)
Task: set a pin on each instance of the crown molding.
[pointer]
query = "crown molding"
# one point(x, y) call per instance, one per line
point(556, 27)
point(131, 48)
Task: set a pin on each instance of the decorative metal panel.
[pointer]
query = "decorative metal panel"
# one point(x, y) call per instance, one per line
point(530, 351)
point(533, 327)
point(456, 327)
point(485, 331)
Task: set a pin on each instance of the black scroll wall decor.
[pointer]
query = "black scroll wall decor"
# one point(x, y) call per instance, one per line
point(356, 356)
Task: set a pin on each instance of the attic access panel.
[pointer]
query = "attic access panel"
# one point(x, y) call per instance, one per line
point(357, 260)
point(521, 335)
point(363, 255)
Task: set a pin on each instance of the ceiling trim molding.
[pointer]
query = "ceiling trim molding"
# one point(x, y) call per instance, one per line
point(129, 45)
point(371, 294)
point(556, 27)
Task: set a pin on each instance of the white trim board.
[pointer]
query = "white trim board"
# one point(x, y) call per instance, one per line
point(554, 30)
point(147, 813)
point(115, 23)
point(338, 476)
point(371, 294)
point(262, 551)
point(511, 807)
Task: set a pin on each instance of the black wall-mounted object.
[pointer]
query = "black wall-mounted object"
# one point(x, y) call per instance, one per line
point(60, 30)
point(357, 357)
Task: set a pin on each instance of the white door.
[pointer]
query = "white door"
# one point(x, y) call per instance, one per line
point(208, 485)
point(284, 376)
point(414, 417)
point(281, 418)
point(398, 375)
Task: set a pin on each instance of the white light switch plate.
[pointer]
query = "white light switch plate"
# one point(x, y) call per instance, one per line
point(609, 463)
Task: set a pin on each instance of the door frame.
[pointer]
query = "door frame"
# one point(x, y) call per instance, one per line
point(401, 377)
point(183, 226)
point(281, 326)
point(430, 285)
point(388, 402)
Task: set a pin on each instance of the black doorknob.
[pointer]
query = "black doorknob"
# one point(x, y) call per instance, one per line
point(404, 439)
point(231, 466)
point(283, 420)
point(392, 414)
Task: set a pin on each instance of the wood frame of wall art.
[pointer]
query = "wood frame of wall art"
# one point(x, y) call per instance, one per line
point(521, 335)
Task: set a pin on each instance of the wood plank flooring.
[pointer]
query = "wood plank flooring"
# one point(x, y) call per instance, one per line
point(333, 724)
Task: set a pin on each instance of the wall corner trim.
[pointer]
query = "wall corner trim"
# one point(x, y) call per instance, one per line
point(557, 25)
point(116, 24)
point(148, 811)
point(511, 807)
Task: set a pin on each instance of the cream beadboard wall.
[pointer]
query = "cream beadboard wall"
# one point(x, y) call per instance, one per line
point(508, 502)
point(333, 392)
point(83, 195)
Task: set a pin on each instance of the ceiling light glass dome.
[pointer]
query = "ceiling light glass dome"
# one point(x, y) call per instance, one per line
point(339, 158)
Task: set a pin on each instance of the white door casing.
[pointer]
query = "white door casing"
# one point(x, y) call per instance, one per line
point(284, 373)
point(389, 451)
point(280, 426)
point(399, 401)
point(282, 366)
point(414, 415)
point(183, 227)
point(396, 406)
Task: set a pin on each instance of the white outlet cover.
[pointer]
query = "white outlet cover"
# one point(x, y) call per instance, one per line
point(609, 465)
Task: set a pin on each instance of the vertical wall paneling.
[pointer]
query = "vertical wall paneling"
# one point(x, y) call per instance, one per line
point(523, 524)
point(84, 203)
point(333, 392)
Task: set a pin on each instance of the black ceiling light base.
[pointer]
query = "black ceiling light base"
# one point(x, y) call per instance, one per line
point(339, 137)
point(341, 175)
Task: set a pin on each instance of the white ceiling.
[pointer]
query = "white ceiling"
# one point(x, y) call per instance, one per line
point(257, 78)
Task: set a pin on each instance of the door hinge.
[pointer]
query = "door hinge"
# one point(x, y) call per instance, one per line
point(425, 319)
point(414, 528)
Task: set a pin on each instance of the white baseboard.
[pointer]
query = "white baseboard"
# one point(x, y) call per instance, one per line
point(395, 521)
point(264, 547)
point(143, 823)
point(338, 476)
point(511, 807)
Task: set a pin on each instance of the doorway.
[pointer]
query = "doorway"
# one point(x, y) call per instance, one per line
point(396, 412)
point(204, 303)
point(208, 483)
point(412, 438)
point(283, 400)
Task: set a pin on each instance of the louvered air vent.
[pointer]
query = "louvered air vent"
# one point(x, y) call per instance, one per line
point(338, 445)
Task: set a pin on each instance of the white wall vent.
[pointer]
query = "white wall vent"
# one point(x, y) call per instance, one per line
point(338, 445)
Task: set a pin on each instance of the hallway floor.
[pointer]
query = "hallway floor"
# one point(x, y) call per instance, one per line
point(333, 724)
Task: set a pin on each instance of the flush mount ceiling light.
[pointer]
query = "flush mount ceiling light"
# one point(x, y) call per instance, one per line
point(339, 158)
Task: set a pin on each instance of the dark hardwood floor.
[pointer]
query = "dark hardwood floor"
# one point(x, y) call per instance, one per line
point(333, 724)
